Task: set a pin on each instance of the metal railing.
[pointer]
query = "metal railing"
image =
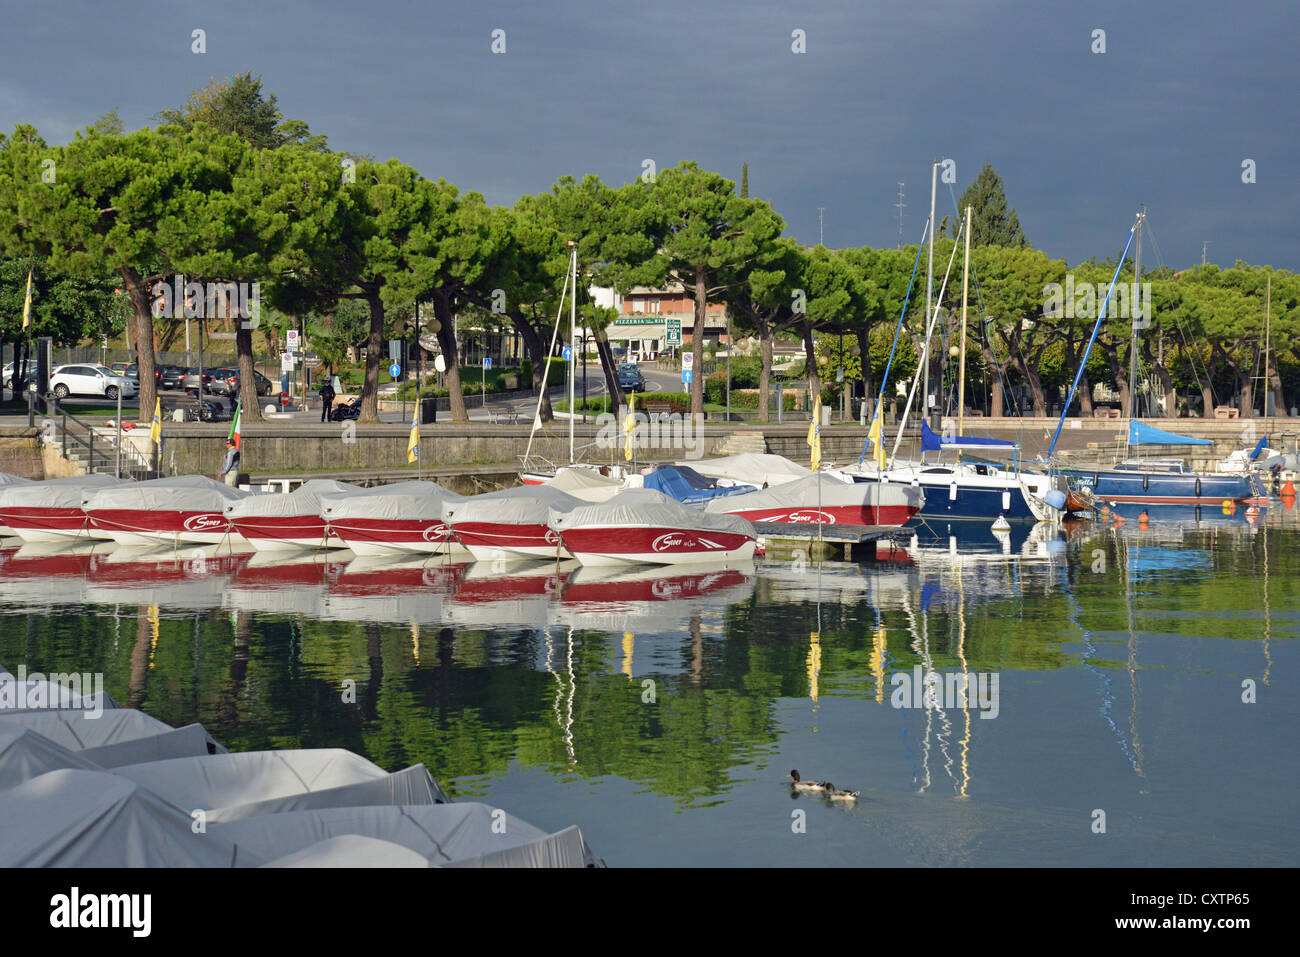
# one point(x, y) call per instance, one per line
point(115, 455)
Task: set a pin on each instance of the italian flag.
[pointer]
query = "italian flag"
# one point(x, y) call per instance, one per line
point(234, 426)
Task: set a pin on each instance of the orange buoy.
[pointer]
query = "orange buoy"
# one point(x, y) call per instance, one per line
point(1144, 520)
point(1288, 489)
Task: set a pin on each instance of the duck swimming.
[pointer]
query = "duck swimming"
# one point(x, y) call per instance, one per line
point(835, 794)
point(801, 785)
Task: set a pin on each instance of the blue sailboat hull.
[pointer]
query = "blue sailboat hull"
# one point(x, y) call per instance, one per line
point(1168, 488)
point(968, 503)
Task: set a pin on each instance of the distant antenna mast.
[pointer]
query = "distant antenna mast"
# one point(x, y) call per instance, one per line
point(1204, 246)
point(821, 232)
point(901, 206)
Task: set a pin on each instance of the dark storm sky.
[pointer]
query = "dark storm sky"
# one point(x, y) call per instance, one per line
point(1183, 94)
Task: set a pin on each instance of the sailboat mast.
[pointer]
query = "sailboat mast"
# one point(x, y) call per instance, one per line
point(1135, 310)
point(929, 296)
point(961, 362)
point(573, 340)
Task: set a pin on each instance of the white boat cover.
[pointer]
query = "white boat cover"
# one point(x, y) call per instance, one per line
point(40, 694)
point(76, 731)
point(304, 500)
point(188, 741)
point(586, 484)
point(401, 501)
point(235, 786)
point(755, 468)
point(81, 818)
point(56, 493)
point(819, 489)
point(6, 480)
point(352, 850)
point(646, 508)
point(188, 493)
point(24, 755)
point(456, 835)
point(524, 505)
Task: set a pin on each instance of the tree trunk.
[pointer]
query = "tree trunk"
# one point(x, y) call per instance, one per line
point(447, 340)
point(1121, 380)
point(247, 380)
point(1279, 400)
point(697, 343)
point(995, 378)
point(608, 367)
point(810, 360)
point(864, 347)
point(536, 348)
point(765, 370)
point(374, 343)
point(143, 310)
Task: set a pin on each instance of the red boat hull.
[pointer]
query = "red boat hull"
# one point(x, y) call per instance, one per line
point(890, 515)
point(655, 545)
point(131, 526)
point(491, 540)
point(46, 524)
point(377, 536)
point(280, 532)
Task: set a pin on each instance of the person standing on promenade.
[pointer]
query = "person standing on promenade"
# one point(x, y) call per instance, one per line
point(326, 399)
point(230, 467)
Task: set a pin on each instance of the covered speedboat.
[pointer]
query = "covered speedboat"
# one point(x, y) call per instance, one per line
point(752, 468)
point(51, 511)
point(683, 483)
point(166, 511)
point(825, 499)
point(642, 525)
point(9, 481)
point(400, 519)
point(509, 524)
point(586, 482)
point(287, 522)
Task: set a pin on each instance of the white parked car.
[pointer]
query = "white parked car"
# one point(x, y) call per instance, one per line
point(91, 380)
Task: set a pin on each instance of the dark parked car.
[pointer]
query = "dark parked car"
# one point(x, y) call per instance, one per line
point(226, 382)
point(630, 378)
point(172, 376)
point(133, 372)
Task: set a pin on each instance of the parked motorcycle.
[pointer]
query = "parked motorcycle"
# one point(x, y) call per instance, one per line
point(349, 410)
point(210, 411)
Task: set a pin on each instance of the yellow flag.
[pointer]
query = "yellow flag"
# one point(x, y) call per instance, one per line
point(629, 426)
point(874, 435)
point(815, 434)
point(27, 302)
point(155, 429)
point(413, 442)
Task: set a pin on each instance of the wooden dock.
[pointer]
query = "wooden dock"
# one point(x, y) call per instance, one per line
point(819, 542)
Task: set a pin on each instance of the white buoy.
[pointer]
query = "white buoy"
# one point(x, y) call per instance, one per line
point(1002, 525)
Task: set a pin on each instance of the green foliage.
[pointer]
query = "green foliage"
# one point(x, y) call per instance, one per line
point(993, 221)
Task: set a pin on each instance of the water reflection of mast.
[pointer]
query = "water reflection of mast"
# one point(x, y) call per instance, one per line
point(1268, 622)
point(965, 683)
point(1132, 668)
point(921, 648)
point(563, 722)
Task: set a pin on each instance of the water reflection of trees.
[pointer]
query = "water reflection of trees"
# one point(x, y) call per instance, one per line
point(469, 702)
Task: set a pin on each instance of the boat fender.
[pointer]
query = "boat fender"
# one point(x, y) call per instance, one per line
point(1096, 479)
point(1002, 525)
point(1198, 488)
point(1146, 479)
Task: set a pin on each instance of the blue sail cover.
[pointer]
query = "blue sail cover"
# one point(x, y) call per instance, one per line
point(930, 442)
point(1139, 433)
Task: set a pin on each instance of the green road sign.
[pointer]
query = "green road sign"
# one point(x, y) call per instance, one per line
point(674, 328)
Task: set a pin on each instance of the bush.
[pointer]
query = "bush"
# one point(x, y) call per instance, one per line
point(526, 373)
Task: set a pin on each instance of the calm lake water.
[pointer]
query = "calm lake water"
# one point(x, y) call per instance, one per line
point(662, 712)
